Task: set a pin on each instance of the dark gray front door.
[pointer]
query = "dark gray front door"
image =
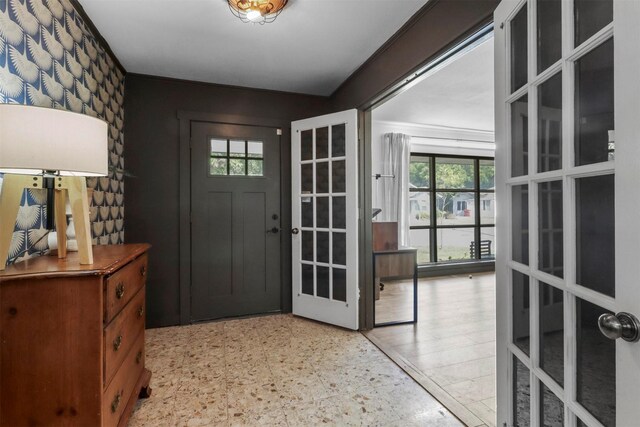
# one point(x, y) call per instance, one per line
point(235, 220)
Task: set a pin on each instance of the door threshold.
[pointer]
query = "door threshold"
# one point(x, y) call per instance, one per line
point(455, 407)
point(241, 316)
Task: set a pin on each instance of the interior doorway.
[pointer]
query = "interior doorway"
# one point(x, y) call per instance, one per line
point(433, 184)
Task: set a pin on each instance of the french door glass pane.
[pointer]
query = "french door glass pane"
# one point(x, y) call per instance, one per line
point(339, 212)
point(307, 245)
point(454, 243)
point(338, 176)
point(595, 233)
point(551, 408)
point(594, 105)
point(339, 248)
point(551, 318)
point(487, 243)
point(306, 178)
point(339, 284)
point(322, 143)
point(322, 246)
point(520, 137)
point(455, 208)
point(550, 229)
point(549, 33)
point(338, 140)
point(521, 394)
point(420, 208)
point(307, 211)
point(521, 307)
point(550, 124)
point(322, 212)
point(322, 177)
point(487, 208)
point(307, 279)
point(595, 365)
point(519, 49)
point(419, 172)
point(322, 277)
point(453, 174)
point(520, 223)
point(420, 239)
point(590, 17)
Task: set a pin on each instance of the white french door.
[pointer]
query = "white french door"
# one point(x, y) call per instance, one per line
point(324, 174)
point(568, 180)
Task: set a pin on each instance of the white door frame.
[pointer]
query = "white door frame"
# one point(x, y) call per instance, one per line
point(340, 313)
point(626, 31)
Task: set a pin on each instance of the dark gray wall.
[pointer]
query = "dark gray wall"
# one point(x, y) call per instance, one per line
point(152, 153)
point(151, 124)
point(431, 31)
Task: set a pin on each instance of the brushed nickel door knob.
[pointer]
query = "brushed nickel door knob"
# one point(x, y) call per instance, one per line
point(621, 325)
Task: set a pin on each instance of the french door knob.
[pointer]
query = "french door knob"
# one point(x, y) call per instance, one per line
point(621, 325)
point(295, 231)
point(274, 230)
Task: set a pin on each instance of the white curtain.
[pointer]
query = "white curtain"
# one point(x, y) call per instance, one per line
point(394, 197)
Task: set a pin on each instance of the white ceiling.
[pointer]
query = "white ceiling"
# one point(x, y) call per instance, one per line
point(312, 47)
point(460, 95)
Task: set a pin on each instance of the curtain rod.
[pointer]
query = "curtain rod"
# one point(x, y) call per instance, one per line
point(453, 139)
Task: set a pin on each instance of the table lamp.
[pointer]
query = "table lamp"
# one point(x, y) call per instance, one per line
point(55, 150)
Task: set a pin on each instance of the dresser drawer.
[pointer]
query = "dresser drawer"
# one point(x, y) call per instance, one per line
point(119, 391)
point(121, 286)
point(120, 335)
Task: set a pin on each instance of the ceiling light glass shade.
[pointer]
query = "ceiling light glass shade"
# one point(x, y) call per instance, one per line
point(34, 139)
point(257, 11)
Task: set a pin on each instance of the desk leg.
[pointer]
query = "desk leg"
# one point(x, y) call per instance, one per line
point(415, 288)
point(373, 311)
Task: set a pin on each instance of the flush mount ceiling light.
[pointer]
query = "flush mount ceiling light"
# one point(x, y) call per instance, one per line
point(257, 11)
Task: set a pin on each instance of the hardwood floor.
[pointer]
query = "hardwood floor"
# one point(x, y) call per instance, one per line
point(451, 351)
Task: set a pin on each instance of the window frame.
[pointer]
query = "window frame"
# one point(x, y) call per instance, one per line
point(228, 157)
point(432, 190)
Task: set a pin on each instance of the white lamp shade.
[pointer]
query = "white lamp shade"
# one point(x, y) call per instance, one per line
point(33, 139)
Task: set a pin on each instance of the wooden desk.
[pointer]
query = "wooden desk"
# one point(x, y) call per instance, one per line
point(395, 264)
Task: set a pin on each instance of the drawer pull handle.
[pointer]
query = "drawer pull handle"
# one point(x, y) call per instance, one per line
point(120, 290)
point(117, 343)
point(116, 402)
point(138, 357)
point(143, 271)
point(141, 311)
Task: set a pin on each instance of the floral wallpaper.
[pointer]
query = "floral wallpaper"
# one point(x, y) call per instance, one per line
point(49, 57)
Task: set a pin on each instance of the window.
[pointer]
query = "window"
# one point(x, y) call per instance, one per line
point(452, 208)
point(230, 157)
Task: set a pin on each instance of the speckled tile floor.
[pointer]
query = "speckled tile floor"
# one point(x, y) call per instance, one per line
point(278, 371)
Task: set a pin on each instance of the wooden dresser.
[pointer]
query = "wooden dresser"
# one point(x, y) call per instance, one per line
point(72, 339)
